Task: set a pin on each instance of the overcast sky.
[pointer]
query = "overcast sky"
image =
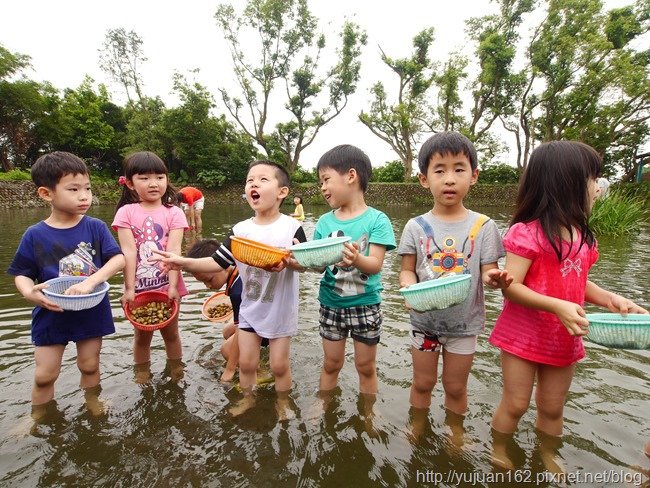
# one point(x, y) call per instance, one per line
point(63, 38)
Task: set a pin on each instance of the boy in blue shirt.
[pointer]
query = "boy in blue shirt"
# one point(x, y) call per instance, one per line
point(350, 291)
point(66, 243)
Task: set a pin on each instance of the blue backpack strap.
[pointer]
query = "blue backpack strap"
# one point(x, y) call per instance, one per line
point(425, 226)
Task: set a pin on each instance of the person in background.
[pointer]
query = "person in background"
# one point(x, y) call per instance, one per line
point(549, 251)
point(603, 187)
point(192, 202)
point(299, 212)
point(67, 243)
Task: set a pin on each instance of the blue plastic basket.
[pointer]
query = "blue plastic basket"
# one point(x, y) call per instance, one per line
point(623, 332)
point(57, 287)
point(437, 294)
point(320, 252)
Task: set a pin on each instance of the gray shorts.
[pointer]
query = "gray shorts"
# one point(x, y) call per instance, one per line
point(362, 323)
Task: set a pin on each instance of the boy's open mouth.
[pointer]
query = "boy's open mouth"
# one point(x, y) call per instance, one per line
point(255, 196)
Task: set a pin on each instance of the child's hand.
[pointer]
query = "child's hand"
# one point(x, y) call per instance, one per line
point(497, 278)
point(37, 297)
point(169, 260)
point(173, 294)
point(83, 288)
point(350, 254)
point(127, 297)
point(572, 317)
point(623, 306)
point(283, 264)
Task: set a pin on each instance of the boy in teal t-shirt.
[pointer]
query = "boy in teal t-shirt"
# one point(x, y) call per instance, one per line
point(350, 291)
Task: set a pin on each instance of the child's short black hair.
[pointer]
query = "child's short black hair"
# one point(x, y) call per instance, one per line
point(299, 198)
point(445, 143)
point(203, 248)
point(280, 171)
point(345, 157)
point(48, 170)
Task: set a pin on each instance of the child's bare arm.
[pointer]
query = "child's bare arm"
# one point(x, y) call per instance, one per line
point(127, 244)
point(613, 302)
point(407, 275)
point(174, 245)
point(33, 293)
point(570, 314)
point(494, 277)
point(370, 264)
point(110, 268)
point(173, 261)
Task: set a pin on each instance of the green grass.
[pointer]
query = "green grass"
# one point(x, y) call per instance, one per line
point(617, 214)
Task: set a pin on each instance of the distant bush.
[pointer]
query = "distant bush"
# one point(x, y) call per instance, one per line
point(499, 173)
point(617, 214)
point(391, 172)
point(301, 175)
point(15, 175)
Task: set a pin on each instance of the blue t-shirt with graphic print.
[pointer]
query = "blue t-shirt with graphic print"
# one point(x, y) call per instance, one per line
point(349, 287)
point(46, 252)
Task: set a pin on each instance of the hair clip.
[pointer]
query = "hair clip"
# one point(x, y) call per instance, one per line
point(122, 180)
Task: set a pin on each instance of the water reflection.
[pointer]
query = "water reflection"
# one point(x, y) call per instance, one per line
point(175, 429)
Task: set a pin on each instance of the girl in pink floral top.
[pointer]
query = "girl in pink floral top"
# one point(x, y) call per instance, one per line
point(549, 250)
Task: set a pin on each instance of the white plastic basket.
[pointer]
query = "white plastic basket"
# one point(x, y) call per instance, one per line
point(320, 252)
point(437, 294)
point(57, 287)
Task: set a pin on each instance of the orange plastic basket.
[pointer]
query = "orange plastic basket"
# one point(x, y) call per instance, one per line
point(145, 298)
point(217, 299)
point(256, 254)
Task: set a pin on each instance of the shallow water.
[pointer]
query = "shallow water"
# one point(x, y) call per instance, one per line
point(169, 433)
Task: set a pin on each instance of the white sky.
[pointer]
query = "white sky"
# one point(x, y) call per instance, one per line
point(63, 38)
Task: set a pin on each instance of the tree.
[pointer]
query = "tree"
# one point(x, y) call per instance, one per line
point(84, 128)
point(27, 113)
point(121, 57)
point(289, 55)
point(594, 87)
point(399, 123)
point(207, 148)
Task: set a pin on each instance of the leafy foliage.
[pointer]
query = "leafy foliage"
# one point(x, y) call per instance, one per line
point(289, 55)
point(391, 172)
point(499, 173)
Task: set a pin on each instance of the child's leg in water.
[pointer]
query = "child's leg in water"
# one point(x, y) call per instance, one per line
point(249, 358)
point(455, 373)
point(281, 369)
point(172, 339)
point(48, 367)
point(518, 380)
point(230, 351)
point(553, 385)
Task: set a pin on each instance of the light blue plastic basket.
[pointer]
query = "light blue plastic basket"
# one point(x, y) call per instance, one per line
point(320, 252)
point(615, 330)
point(57, 287)
point(437, 294)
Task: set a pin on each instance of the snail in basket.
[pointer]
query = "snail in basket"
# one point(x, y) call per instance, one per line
point(219, 310)
point(152, 313)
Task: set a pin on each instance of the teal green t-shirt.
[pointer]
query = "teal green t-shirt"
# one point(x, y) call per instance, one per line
point(349, 287)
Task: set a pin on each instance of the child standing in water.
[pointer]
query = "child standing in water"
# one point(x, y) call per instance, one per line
point(350, 291)
point(147, 220)
point(68, 242)
point(269, 298)
point(549, 250)
point(449, 238)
